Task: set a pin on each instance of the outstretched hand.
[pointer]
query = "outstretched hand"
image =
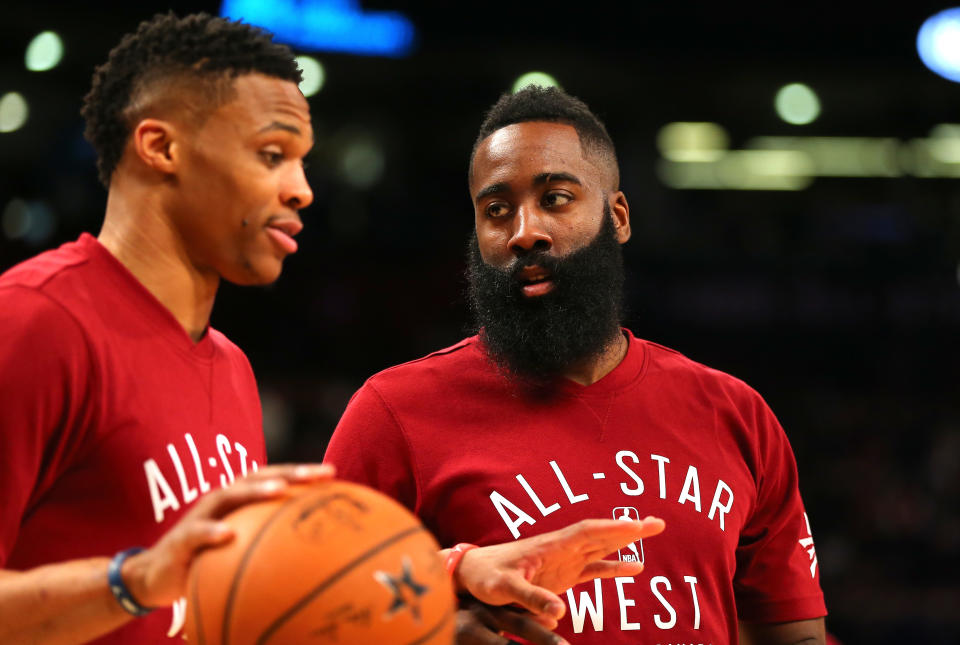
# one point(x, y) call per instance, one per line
point(158, 576)
point(532, 571)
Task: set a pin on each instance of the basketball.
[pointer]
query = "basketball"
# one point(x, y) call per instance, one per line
point(333, 563)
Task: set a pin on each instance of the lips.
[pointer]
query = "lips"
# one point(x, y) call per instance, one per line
point(282, 231)
point(535, 281)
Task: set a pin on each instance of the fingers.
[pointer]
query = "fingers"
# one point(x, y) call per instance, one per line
point(535, 599)
point(609, 569)
point(204, 533)
point(267, 483)
point(295, 473)
point(217, 504)
point(472, 631)
point(494, 620)
point(605, 536)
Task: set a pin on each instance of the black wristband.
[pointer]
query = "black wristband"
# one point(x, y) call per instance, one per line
point(119, 588)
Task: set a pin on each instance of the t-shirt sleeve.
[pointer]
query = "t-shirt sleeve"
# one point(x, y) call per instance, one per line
point(369, 447)
point(778, 577)
point(45, 400)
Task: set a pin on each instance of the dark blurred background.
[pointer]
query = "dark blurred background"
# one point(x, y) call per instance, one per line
point(837, 298)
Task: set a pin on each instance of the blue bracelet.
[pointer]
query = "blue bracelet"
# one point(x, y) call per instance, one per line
point(119, 589)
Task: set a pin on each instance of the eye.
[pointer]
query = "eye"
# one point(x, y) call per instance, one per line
point(555, 199)
point(496, 209)
point(272, 158)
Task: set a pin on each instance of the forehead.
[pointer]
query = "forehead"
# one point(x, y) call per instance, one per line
point(260, 100)
point(524, 150)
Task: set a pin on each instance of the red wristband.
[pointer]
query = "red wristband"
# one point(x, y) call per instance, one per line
point(455, 555)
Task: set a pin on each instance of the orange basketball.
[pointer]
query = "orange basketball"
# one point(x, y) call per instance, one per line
point(334, 563)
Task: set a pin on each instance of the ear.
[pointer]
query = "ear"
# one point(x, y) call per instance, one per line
point(154, 142)
point(620, 210)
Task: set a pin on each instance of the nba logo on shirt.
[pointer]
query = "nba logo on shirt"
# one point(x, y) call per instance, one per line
point(632, 552)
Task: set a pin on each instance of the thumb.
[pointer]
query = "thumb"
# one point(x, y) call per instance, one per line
point(534, 599)
point(202, 534)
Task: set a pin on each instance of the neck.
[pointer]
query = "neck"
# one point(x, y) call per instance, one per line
point(141, 236)
point(595, 368)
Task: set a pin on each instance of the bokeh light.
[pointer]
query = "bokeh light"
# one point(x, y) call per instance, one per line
point(692, 141)
point(938, 43)
point(32, 222)
point(44, 52)
point(313, 75)
point(362, 162)
point(797, 104)
point(534, 78)
point(13, 111)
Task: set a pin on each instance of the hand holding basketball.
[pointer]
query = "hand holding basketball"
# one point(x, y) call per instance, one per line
point(531, 571)
point(157, 577)
point(334, 563)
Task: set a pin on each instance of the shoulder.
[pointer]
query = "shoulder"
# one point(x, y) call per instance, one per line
point(457, 361)
point(670, 366)
point(53, 286)
point(39, 271)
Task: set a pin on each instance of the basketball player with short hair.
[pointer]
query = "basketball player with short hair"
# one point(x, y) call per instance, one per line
point(121, 407)
point(554, 413)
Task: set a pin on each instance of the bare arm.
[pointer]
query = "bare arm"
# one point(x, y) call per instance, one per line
point(799, 632)
point(532, 571)
point(70, 602)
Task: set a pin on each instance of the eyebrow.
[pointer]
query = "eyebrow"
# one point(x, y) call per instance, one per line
point(277, 125)
point(542, 178)
point(546, 177)
point(493, 189)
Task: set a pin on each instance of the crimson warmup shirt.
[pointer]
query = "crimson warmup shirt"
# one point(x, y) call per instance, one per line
point(481, 462)
point(112, 421)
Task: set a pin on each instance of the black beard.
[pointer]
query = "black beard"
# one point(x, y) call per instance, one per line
point(535, 340)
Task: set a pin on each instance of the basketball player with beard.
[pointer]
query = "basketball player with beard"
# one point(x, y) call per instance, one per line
point(553, 413)
point(125, 416)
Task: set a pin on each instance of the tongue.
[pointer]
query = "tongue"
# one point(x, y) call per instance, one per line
point(284, 241)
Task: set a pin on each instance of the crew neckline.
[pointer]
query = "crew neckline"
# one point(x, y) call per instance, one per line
point(149, 308)
point(627, 372)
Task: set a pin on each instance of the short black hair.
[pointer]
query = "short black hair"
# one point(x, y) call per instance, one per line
point(199, 48)
point(551, 104)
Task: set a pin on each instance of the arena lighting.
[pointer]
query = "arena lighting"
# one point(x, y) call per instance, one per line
point(740, 170)
point(797, 104)
point(763, 166)
point(33, 222)
point(16, 219)
point(841, 156)
point(44, 52)
point(534, 78)
point(938, 43)
point(362, 162)
point(692, 141)
point(313, 75)
point(13, 111)
point(328, 25)
point(944, 143)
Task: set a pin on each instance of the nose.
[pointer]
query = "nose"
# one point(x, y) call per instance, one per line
point(529, 232)
point(295, 192)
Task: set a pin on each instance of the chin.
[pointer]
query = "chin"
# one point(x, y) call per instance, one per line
point(255, 274)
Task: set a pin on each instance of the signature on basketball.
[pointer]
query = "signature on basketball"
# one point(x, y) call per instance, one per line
point(340, 509)
point(346, 614)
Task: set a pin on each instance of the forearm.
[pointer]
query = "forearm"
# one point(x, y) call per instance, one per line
point(800, 632)
point(60, 604)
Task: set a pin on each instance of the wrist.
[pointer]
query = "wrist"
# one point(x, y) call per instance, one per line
point(453, 559)
point(125, 578)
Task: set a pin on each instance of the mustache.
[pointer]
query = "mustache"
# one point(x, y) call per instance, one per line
point(538, 258)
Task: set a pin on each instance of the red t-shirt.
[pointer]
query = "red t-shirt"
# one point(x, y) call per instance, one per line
point(660, 435)
point(113, 421)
